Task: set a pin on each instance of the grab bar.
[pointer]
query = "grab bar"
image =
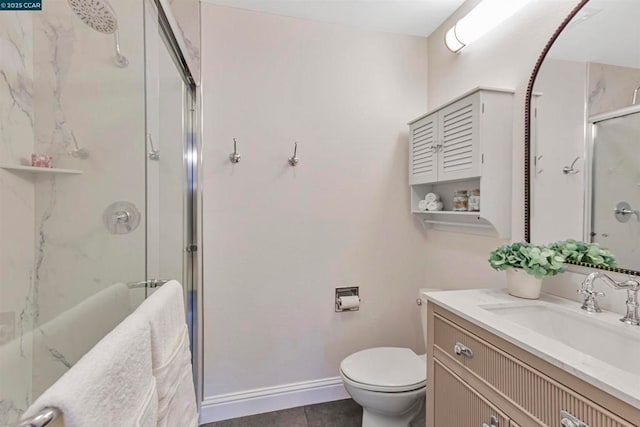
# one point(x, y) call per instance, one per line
point(42, 419)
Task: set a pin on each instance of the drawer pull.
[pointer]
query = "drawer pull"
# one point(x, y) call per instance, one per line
point(494, 422)
point(461, 349)
point(568, 420)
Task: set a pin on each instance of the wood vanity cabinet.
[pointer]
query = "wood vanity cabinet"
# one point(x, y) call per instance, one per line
point(502, 385)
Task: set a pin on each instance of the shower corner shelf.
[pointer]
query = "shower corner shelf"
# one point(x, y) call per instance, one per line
point(32, 169)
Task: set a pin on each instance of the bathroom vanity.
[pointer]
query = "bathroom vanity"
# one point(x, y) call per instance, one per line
point(494, 360)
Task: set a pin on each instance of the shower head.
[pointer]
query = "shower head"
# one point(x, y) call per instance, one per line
point(97, 14)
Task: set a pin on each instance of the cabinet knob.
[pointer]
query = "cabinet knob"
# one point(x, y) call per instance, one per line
point(461, 349)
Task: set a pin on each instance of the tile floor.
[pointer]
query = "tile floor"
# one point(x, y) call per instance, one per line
point(341, 413)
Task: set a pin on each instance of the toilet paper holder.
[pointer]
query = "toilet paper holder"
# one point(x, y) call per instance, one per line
point(349, 291)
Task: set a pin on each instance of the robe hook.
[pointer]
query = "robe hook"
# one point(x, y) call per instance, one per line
point(570, 170)
point(294, 160)
point(235, 156)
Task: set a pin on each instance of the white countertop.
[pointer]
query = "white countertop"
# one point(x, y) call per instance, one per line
point(622, 384)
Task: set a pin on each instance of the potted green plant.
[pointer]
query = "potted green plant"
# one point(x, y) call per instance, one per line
point(526, 265)
point(577, 252)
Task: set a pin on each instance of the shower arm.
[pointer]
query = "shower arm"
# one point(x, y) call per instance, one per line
point(635, 95)
point(121, 60)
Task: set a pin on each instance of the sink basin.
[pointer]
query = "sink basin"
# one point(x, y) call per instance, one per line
point(614, 344)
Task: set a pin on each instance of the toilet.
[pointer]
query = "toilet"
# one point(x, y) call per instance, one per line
point(388, 382)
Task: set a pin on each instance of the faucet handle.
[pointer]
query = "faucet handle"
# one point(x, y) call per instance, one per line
point(590, 304)
point(591, 292)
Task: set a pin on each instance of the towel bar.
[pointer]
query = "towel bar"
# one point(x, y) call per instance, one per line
point(151, 283)
point(42, 419)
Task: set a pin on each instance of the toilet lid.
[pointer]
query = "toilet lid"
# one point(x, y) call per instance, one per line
point(391, 367)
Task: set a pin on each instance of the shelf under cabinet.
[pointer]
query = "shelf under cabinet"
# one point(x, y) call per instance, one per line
point(457, 221)
point(33, 169)
point(443, 213)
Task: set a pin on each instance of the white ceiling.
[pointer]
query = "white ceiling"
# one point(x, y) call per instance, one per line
point(414, 17)
point(608, 33)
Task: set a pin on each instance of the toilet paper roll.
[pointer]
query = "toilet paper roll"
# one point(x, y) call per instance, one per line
point(422, 205)
point(432, 197)
point(345, 303)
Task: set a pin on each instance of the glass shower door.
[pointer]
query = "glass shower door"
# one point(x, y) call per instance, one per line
point(73, 237)
point(169, 118)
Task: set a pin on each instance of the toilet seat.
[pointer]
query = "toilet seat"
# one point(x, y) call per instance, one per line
point(385, 369)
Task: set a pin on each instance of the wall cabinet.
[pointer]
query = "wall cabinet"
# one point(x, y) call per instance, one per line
point(445, 145)
point(495, 383)
point(465, 144)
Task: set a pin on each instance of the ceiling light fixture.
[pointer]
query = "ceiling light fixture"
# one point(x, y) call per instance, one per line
point(482, 18)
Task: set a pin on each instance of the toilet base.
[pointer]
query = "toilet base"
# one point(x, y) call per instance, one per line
point(373, 419)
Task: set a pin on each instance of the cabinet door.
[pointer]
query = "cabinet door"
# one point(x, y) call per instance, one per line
point(456, 404)
point(424, 133)
point(459, 150)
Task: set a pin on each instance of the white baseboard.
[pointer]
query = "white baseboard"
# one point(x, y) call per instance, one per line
point(268, 399)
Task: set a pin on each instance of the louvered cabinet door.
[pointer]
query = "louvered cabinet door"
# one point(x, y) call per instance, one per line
point(423, 165)
point(459, 139)
point(458, 405)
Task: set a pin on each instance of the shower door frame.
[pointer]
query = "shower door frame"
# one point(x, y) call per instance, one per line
point(171, 35)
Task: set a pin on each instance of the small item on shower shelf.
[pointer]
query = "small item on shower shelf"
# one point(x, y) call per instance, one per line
point(41, 161)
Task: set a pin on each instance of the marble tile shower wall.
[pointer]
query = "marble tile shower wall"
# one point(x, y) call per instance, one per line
point(611, 87)
point(18, 309)
point(58, 79)
point(187, 15)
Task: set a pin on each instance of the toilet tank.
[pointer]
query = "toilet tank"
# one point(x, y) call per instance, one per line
point(423, 311)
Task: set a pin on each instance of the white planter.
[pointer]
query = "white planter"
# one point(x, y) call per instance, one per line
point(523, 285)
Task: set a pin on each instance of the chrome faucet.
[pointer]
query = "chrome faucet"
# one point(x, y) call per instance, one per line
point(631, 286)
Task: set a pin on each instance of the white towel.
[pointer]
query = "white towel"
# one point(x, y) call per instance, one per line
point(171, 356)
point(111, 385)
point(434, 206)
point(422, 205)
point(432, 197)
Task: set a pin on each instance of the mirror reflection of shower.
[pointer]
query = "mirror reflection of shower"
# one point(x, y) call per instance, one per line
point(99, 15)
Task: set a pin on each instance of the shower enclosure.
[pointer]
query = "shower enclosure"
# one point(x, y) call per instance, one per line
point(615, 200)
point(107, 95)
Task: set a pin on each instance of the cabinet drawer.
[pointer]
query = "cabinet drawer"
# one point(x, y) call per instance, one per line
point(457, 404)
point(538, 395)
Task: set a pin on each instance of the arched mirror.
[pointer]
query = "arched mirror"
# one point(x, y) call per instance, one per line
point(582, 133)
